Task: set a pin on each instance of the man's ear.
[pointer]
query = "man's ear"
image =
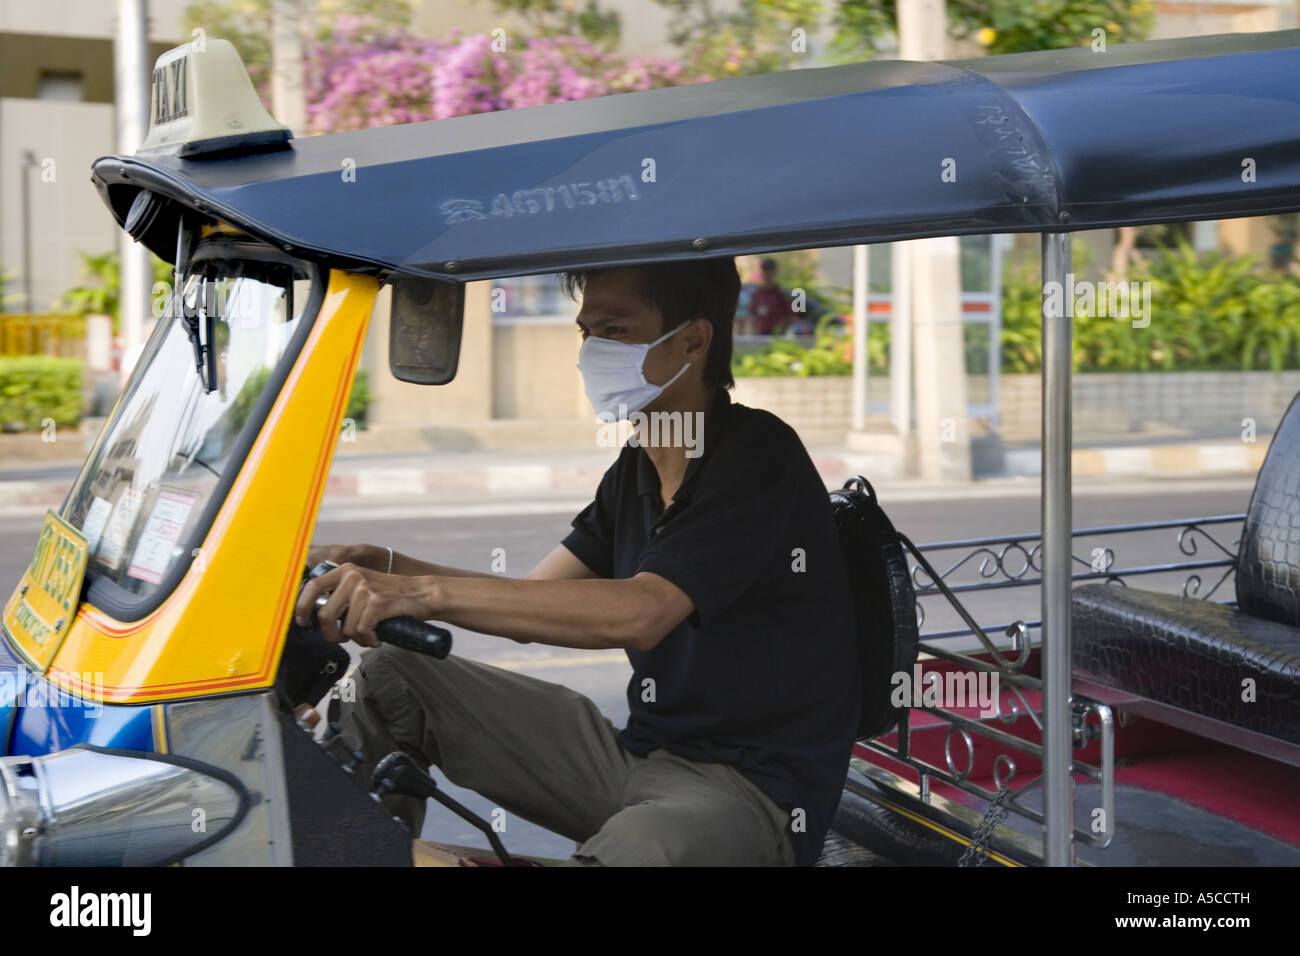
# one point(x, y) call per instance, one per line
point(699, 335)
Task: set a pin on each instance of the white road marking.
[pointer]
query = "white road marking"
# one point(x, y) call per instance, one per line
point(889, 495)
point(390, 482)
point(519, 478)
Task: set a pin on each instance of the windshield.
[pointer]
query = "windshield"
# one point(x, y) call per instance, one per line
point(142, 499)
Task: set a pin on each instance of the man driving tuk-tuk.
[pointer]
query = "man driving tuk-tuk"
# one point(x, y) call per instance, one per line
point(714, 563)
point(174, 569)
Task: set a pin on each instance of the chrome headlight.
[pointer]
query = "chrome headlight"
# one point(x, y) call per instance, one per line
point(87, 806)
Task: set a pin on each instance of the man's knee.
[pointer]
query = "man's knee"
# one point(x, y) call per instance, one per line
point(388, 665)
point(386, 706)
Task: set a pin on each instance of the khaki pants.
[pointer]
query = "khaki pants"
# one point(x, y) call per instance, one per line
point(545, 753)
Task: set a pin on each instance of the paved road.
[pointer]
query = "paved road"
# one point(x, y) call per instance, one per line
point(469, 541)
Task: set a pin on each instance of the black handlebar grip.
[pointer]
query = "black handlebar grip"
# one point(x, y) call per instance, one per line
point(413, 634)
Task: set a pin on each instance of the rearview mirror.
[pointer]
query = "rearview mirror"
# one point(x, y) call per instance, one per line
point(424, 330)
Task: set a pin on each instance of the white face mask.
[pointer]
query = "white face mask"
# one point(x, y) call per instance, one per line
point(614, 378)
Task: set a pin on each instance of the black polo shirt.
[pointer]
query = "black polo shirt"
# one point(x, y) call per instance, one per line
point(762, 675)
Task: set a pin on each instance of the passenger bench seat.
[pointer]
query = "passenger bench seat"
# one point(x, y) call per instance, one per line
point(1194, 654)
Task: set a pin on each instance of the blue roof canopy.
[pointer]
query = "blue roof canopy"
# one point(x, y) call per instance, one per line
point(869, 152)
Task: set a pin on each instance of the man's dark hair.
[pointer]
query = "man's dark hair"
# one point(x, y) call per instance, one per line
point(679, 291)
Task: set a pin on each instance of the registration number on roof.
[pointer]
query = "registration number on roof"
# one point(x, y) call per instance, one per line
point(545, 199)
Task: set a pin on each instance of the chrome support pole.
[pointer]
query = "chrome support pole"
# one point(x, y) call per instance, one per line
point(1058, 761)
point(900, 337)
point(861, 333)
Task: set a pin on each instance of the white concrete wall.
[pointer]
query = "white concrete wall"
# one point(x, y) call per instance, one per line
point(86, 18)
point(67, 215)
point(1187, 18)
point(1172, 404)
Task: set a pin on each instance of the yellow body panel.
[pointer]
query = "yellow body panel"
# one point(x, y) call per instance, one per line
point(223, 628)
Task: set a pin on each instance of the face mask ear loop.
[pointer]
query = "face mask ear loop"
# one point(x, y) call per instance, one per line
point(668, 335)
point(664, 338)
point(674, 378)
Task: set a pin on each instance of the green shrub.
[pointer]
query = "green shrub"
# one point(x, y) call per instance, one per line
point(1209, 312)
point(8, 298)
point(830, 354)
point(242, 406)
point(102, 277)
point(1273, 331)
point(360, 399)
point(34, 388)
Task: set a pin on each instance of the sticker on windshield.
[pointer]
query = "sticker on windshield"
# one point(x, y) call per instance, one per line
point(117, 530)
point(157, 544)
point(96, 517)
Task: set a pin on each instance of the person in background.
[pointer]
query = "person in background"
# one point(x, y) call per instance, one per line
point(769, 307)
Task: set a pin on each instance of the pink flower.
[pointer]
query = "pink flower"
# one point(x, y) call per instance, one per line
point(360, 77)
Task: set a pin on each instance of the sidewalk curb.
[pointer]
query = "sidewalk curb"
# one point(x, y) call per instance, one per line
point(511, 478)
point(1229, 457)
point(448, 478)
point(1181, 460)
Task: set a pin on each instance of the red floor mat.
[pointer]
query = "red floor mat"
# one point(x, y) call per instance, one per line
point(1255, 791)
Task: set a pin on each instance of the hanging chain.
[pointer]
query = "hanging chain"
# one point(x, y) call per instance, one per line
point(977, 852)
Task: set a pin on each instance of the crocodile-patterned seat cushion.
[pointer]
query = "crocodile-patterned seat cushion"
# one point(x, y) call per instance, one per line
point(1268, 564)
point(1191, 654)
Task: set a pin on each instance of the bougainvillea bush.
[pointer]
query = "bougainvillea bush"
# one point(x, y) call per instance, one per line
point(360, 77)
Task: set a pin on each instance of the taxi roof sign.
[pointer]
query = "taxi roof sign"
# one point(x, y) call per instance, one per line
point(203, 102)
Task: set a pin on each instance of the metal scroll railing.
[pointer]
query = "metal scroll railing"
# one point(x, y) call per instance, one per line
point(991, 570)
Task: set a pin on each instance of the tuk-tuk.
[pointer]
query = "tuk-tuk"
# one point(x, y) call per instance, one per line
point(160, 695)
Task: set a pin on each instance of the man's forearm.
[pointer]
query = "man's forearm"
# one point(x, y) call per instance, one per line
point(414, 567)
point(593, 613)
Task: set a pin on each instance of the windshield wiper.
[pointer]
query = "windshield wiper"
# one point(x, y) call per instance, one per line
point(199, 325)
